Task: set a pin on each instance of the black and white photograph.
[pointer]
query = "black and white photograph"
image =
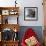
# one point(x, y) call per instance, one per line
point(30, 13)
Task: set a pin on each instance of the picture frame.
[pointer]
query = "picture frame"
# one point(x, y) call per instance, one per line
point(13, 12)
point(31, 13)
point(5, 12)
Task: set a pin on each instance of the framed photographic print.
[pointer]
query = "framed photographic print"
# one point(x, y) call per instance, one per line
point(13, 12)
point(5, 12)
point(30, 13)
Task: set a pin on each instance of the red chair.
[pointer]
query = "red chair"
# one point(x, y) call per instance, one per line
point(29, 33)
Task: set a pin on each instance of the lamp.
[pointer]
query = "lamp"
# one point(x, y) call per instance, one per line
point(15, 3)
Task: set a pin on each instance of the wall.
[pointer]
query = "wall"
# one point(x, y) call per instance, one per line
point(26, 3)
point(35, 24)
point(44, 21)
point(36, 29)
point(30, 3)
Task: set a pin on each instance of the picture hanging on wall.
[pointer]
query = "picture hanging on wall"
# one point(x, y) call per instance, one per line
point(30, 13)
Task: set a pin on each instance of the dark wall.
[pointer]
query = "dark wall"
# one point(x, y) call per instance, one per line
point(37, 29)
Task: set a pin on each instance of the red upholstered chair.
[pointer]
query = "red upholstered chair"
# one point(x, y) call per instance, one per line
point(29, 33)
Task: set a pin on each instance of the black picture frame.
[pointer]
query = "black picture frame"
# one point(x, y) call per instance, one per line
point(30, 13)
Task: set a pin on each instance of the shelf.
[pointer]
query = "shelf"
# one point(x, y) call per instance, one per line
point(6, 12)
point(11, 41)
point(9, 10)
point(10, 26)
point(9, 22)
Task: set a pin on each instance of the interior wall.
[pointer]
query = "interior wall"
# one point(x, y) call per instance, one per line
point(37, 29)
point(22, 22)
point(44, 6)
point(30, 3)
point(26, 3)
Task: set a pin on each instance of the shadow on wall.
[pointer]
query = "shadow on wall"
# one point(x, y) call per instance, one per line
point(37, 29)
